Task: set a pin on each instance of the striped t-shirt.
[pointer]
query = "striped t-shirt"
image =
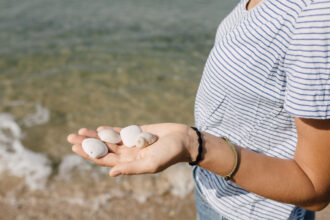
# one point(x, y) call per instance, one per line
point(267, 66)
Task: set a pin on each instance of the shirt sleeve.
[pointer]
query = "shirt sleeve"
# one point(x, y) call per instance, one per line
point(307, 64)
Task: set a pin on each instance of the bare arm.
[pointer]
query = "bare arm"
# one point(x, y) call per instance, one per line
point(303, 181)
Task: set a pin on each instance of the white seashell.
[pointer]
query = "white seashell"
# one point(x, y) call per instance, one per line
point(129, 135)
point(94, 147)
point(109, 136)
point(141, 142)
point(145, 139)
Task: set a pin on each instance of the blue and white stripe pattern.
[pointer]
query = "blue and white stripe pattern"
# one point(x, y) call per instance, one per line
point(268, 65)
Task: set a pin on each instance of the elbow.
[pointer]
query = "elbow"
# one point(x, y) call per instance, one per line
point(321, 206)
point(319, 201)
point(316, 207)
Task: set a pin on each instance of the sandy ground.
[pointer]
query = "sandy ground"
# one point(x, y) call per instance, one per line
point(115, 209)
point(324, 214)
point(18, 203)
point(170, 208)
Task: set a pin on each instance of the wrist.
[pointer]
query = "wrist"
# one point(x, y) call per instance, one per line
point(191, 145)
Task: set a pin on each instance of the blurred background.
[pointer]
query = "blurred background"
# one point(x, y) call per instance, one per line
point(67, 64)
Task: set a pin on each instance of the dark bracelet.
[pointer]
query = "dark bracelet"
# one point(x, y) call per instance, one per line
point(200, 148)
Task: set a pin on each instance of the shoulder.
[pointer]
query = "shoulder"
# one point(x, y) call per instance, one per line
point(304, 8)
point(319, 2)
point(313, 17)
point(315, 9)
point(310, 4)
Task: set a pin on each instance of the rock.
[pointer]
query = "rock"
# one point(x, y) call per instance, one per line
point(129, 135)
point(145, 139)
point(109, 136)
point(94, 147)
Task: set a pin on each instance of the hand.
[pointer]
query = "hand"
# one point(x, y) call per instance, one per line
point(173, 146)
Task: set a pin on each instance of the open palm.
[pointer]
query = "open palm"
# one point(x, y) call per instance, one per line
point(167, 150)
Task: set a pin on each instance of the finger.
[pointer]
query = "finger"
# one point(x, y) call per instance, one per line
point(149, 129)
point(131, 168)
point(145, 128)
point(88, 133)
point(104, 127)
point(108, 160)
point(117, 129)
point(78, 150)
point(75, 139)
point(93, 134)
point(112, 147)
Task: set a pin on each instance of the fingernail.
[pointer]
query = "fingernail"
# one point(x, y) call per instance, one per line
point(69, 137)
point(82, 131)
point(74, 148)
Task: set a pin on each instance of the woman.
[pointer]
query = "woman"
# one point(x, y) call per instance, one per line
point(266, 87)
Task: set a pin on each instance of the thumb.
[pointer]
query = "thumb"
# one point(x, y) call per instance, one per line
point(131, 168)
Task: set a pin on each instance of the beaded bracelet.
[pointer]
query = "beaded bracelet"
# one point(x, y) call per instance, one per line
point(200, 148)
point(230, 175)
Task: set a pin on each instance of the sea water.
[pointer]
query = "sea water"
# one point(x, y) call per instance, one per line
point(68, 64)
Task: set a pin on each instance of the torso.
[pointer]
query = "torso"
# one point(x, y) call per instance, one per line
point(242, 95)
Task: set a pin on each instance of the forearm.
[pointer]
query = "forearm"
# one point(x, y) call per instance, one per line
point(277, 179)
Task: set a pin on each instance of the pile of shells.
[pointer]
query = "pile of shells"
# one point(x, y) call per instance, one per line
point(130, 136)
